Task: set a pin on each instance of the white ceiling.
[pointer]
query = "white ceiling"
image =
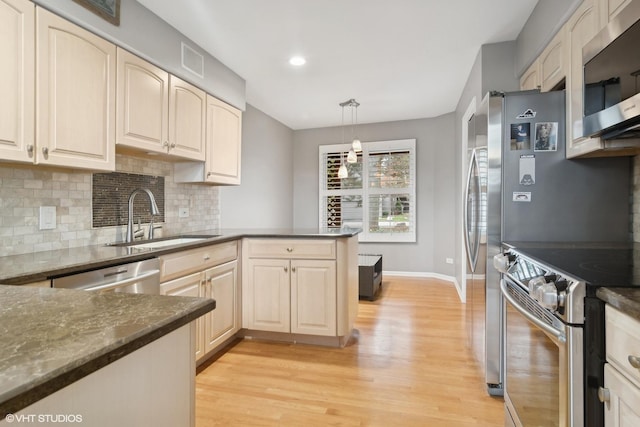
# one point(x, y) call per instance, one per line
point(401, 59)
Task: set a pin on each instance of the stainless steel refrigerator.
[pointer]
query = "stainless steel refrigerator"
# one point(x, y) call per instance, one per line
point(521, 188)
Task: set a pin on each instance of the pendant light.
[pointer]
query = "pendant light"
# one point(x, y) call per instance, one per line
point(356, 146)
point(342, 171)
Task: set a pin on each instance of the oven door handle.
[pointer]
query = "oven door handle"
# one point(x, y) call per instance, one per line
point(558, 335)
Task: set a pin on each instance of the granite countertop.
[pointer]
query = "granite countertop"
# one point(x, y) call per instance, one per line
point(34, 267)
point(50, 338)
point(626, 300)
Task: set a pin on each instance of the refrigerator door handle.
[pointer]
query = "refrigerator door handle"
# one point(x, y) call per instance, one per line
point(472, 253)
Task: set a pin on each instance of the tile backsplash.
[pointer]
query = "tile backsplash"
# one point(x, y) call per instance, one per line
point(23, 189)
point(110, 198)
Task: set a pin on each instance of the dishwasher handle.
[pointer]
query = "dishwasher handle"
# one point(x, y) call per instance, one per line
point(125, 282)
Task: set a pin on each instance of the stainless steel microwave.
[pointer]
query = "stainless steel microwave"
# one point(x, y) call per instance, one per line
point(611, 65)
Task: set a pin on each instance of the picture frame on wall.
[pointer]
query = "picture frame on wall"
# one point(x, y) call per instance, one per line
point(109, 10)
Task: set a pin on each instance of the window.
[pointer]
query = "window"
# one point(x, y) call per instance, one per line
point(378, 195)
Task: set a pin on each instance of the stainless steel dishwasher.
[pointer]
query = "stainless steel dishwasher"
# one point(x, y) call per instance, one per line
point(142, 277)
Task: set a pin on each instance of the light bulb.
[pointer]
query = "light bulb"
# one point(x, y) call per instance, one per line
point(342, 172)
point(352, 157)
point(356, 145)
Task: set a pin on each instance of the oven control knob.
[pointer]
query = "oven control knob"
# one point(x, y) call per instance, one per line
point(547, 296)
point(501, 262)
point(535, 284)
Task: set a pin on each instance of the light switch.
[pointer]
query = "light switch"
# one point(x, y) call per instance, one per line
point(47, 217)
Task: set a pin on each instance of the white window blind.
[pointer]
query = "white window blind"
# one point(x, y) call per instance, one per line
point(379, 194)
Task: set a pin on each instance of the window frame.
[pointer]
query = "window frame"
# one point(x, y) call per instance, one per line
point(365, 192)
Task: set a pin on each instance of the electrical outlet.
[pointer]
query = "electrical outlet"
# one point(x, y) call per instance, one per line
point(47, 217)
point(449, 260)
point(183, 213)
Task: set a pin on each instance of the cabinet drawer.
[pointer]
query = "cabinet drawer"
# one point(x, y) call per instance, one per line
point(182, 263)
point(291, 249)
point(622, 341)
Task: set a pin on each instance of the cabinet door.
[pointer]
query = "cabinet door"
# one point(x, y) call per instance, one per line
point(187, 115)
point(313, 297)
point(189, 286)
point(530, 78)
point(266, 296)
point(224, 136)
point(552, 70)
point(17, 84)
point(75, 100)
point(221, 285)
point(623, 407)
point(610, 8)
point(142, 112)
point(580, 29)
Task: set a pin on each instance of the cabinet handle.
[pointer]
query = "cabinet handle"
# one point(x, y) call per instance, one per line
point(289, 249)
point(206, 257)
point(173, 145)
point(603, 395)
point(286, 269)
point(45, 151)
point(293, 269)
point(634, 361)
point(30, 149)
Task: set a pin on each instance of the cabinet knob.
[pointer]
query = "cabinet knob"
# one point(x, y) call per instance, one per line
point(45, 151)
point(293, 269)
point(289, 249)
point(173, 145)
point(206, 257)
point(603, 395)
point(30, 149)
point(634, 361)
point(286, 269)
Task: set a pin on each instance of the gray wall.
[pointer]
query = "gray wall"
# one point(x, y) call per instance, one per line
point(151, 38)
point(264, 197)
point(436, 192)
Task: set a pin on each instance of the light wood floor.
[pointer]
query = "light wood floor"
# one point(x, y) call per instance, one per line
point(408, 367)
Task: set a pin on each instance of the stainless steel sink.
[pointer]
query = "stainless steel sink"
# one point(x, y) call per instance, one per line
point(165, 241)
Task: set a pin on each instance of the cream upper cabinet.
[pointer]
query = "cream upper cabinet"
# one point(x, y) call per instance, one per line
point(552, 70)
point(142, 110)
point(17, 80)
point(75, 99)
point(530, 79)
point(611, 8)
point(187, 120)
point(223, 148)
point(158, 112)
point(224, 136)
point(579, 30)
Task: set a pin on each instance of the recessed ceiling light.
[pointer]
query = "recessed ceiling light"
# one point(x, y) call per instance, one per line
point(297, 61)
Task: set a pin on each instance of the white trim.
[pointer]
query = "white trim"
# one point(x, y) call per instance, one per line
point(368, 147)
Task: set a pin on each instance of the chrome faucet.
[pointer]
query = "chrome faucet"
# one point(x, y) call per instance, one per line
point(153, 207)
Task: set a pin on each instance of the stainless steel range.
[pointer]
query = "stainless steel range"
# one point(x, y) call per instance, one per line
point(554, 329)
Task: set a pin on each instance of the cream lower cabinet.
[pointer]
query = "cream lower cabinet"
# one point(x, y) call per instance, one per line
point(297, 296)
point(621, 392)
point(75, 96)
point(302, 290)
point(210, 272)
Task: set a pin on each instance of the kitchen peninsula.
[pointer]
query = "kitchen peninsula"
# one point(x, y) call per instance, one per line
point(53, 338)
